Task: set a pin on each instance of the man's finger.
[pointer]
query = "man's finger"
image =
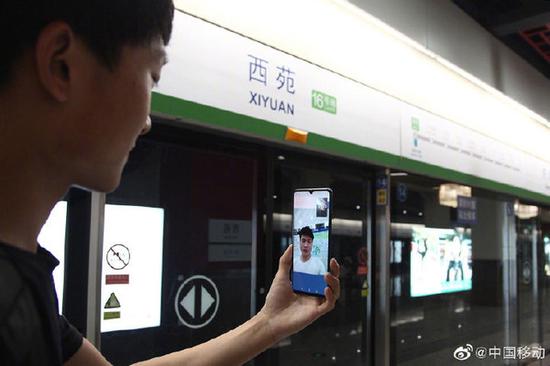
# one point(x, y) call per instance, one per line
point(285, 261)
point(334, 267)
point(328, 304)
point(334, 283)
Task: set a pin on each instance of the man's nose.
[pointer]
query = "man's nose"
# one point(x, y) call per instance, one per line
point(147, 126)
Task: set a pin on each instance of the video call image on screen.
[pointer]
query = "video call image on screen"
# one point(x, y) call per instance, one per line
point(441, 261)
point(310, 233)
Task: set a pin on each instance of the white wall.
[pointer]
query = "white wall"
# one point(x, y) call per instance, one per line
point(445, 29)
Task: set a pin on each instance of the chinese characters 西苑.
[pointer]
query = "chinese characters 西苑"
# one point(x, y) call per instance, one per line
point(258, 71)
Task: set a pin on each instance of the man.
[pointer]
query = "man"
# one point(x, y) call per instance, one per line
point(75, 89)
point(306, 263)
point(454, 253)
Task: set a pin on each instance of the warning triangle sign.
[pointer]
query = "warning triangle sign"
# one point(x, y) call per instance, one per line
point(112, 302)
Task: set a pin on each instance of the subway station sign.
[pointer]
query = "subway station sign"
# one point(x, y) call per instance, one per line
point(214, 67)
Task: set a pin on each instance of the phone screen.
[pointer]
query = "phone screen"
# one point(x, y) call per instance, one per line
point(311, 236)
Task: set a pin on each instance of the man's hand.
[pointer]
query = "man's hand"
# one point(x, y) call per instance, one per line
point(287, 312)
point(284, 313)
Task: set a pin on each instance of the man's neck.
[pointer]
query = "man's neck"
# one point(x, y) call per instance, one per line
point(23, 213)
point(305, 259)
point(29, 188)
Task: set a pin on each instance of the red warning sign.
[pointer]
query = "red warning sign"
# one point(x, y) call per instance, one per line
point(118, 279)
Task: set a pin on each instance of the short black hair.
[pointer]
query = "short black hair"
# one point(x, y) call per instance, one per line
point(106, 26)
point(306, 230)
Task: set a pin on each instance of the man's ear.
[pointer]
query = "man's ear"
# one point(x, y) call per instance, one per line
point(52, 54)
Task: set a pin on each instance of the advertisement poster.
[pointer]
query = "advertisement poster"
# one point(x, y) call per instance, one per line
point(441, 261)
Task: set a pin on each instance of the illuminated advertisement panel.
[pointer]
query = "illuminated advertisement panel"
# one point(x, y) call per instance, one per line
point(441, 261)
point(132, 267)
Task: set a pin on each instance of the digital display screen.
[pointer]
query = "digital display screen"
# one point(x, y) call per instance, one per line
point(441, 261)
point(310, 233)
point(52, 238)
point(132, 267)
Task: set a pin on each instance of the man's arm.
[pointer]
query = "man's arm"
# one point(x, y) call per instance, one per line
point(232, 348)
point(284, 313)
point(87, 355)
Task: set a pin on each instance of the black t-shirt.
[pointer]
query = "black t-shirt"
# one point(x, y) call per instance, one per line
point(31, 330)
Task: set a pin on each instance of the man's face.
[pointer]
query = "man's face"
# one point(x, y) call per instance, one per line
point(109, 110)
point(306, 243)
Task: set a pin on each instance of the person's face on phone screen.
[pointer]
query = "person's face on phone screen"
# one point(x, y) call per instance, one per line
point(306, 243)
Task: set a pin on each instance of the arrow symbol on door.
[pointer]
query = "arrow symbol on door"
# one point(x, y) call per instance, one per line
point(188, 301)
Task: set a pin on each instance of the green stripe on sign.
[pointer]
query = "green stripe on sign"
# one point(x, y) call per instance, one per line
point(349, 150)
point(206, 115)
point(214, 117)
point(111, 315)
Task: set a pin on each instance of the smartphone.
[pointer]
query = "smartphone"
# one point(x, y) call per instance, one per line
point(311, 227)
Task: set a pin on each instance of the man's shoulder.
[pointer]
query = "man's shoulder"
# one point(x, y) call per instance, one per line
point(18, 309)
point(319, 264)
point(20, 324)
point(12, 286)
